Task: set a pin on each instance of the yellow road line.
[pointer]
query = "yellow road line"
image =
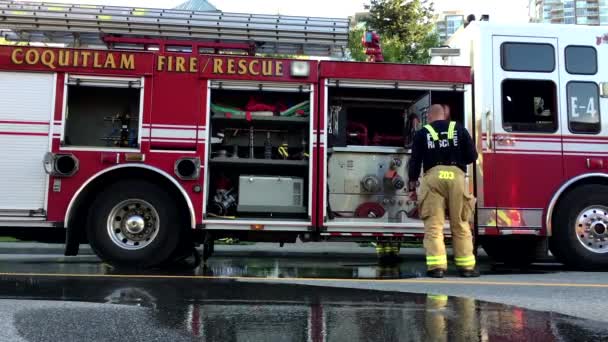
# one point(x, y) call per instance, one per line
point(398, 281)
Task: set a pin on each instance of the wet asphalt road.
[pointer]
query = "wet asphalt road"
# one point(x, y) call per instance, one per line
point(116, 309)
point(50, 298)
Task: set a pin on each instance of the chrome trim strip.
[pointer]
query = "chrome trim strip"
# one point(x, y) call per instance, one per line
point(207, 150)
point(499, 228)
point(323, 127)
point(368, 149)
point(274, 228)
point(519, 231)
point(381, 229)
point(51, 132)
point(249, 222)
point(23, 214)
point(559, 192)
point(147, 167)
point(378, 84)
point(27, 224)
point(312, 135)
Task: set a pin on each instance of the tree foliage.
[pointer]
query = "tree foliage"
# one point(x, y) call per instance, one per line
point(406, 30)
point(355, 48)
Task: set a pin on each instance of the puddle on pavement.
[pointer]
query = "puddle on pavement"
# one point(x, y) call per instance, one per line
point(228, 310)
point(263, 267)
point(299, 268)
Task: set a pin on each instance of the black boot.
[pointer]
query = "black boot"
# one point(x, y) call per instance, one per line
point(469, 273)
point(436, 273)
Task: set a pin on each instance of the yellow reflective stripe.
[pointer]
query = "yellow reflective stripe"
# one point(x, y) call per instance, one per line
point(503, 216)
point(451, 130)
point(465, 261)
point(467, 258)
point(431, 130)
point(139, 11)
point(104, 17)
point(437, 297)
point(19, 12)
point(436, 260)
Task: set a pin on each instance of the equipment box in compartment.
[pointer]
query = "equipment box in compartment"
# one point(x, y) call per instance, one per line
point(271, 194)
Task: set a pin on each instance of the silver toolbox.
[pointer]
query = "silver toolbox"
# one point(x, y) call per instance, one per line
point(264, 194)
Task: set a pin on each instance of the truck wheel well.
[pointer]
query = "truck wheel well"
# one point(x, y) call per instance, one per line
point(85, 198)
point(600, 180)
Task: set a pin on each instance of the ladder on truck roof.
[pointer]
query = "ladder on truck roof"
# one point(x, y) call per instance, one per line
point(89, 25)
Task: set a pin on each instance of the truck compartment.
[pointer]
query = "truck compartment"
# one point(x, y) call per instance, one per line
point(370, 132)
point(102, 117)
point(259, 155)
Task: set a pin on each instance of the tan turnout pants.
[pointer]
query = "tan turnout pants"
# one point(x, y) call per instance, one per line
point(444, 187)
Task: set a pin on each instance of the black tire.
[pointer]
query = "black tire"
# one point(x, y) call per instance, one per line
point(518, 251)
point(565, 244)
point(160, 246)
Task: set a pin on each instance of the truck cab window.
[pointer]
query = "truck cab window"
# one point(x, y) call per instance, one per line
point(581, 60)
point(529, 106)
point(516, 57)
point(583, 107)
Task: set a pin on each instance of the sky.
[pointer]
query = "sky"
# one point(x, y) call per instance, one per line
point(499, 10)
point(513, 11)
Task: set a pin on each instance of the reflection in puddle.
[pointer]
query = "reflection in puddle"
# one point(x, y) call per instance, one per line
point(203, 310)
point(286, 268)
point(232, 267)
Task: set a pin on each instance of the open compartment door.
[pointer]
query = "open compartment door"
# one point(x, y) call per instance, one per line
point(258, 160)
point(369, 129)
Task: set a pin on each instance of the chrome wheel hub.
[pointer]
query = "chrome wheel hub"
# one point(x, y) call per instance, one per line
point(133, 224)
point(592, 228)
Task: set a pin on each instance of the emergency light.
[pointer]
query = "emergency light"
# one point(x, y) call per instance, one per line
point(444, 52)
point(300, 69)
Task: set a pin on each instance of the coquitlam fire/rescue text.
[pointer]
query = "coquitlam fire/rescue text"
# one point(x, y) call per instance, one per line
point(53, 59)
point(69, 58)
point(221, 66)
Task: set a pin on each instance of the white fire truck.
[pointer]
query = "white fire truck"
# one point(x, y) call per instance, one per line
point(144, 132)
point(539, 112)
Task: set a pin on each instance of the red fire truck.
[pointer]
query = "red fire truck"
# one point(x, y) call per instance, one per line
point(145, 132)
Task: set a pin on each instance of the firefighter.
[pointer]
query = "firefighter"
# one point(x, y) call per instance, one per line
point(444, 148)
point(446, 111)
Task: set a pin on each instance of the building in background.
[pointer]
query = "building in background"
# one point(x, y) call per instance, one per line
point(196, 5)
point(447, 23)
point(359, 19)
point(581, 12)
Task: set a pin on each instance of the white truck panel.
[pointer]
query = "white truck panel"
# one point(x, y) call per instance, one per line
point(26, 108)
